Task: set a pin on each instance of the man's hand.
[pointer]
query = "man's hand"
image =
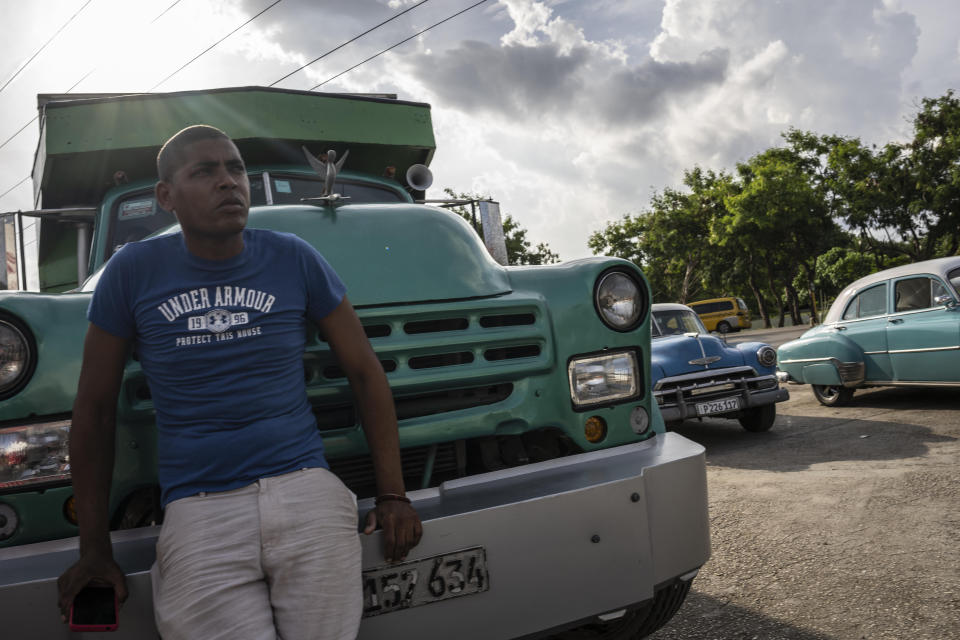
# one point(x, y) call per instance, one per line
point(401, 528)
point(95, 568)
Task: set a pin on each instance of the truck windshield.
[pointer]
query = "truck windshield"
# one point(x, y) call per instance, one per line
point(138, 215)
point(289, 189)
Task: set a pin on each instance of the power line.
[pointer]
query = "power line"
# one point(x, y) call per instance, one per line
point(82, 78)
point(436, 24)
point(340, 46)
point(214, 45)
point(19, 131)
point(14, 186)
point(52, 38)
point(164, 12)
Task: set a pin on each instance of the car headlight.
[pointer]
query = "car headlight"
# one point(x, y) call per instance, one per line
point(603, 379)
point(621, 301)
point(34, 454)
point(767, 355)
point(15, 358)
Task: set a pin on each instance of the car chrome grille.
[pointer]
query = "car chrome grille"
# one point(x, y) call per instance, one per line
point(709, 385)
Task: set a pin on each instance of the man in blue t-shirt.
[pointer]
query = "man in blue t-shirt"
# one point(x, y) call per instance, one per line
point(259, 538)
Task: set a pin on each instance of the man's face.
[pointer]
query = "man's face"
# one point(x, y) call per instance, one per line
point(209, 192)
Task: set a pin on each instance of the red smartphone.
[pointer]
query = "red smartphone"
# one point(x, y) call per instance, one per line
point(94, 609)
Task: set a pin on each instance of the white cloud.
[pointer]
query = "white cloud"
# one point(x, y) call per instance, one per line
point(569, 113)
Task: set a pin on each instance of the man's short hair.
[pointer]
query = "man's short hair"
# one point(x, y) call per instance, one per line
point(171, 157)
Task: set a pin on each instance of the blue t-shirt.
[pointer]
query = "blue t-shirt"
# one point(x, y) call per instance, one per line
point(221, 344)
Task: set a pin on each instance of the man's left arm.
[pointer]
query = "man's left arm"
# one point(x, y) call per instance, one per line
point(400, 523)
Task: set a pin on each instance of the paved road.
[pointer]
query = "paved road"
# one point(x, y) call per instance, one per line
point(773, 337)
point(838, 523)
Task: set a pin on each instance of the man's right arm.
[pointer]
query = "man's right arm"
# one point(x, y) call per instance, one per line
point(92, 441)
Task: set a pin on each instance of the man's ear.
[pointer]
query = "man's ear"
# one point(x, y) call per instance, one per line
point(162, 191)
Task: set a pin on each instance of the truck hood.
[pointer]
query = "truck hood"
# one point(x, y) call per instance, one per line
point(394, 253)
point(672, 354)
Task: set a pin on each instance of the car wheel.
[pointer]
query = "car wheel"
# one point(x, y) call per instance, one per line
point(832, 395)
point(723, 326)
point(759, 418)
point(637, 623)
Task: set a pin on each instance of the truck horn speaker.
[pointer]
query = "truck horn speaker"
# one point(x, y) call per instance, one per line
point(419, 177)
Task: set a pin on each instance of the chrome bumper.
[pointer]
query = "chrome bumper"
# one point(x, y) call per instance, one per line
point(678, 396)
point(565, 540)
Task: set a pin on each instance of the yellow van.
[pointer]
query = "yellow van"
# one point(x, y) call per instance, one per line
point(723, 314)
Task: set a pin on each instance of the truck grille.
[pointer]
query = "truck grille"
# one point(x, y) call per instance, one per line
point(357, 472)
point(438, 358)
point(341, 416)
point(707, 385)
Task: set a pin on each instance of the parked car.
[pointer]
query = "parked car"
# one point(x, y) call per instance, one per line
point(695, 374)
point(898, 327)
point(723, 314)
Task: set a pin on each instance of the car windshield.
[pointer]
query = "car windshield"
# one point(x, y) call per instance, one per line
point(954, 277)
point(668, 322)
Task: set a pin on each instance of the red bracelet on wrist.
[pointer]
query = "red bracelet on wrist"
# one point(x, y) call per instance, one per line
point(386, 497)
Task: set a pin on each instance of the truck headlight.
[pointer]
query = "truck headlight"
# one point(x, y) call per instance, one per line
point(34, 454)
point(620, 300)
point(603, 379)
point(15, 358)
point(767, 356)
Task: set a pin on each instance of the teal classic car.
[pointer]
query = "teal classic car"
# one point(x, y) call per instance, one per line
point(694, 374)
point(551, 495)
point(898, 327)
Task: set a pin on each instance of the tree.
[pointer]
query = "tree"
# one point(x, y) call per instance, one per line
point(669, 241)
point(902, 199)
point(519, 251)
point(783, 214)
point(934, 161)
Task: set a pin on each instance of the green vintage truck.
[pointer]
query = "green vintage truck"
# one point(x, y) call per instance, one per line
point(554, 503)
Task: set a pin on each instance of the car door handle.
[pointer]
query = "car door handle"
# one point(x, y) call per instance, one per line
point(840, 328)
point(895, 320)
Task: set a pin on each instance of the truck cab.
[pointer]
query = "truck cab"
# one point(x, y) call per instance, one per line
point(552, 499)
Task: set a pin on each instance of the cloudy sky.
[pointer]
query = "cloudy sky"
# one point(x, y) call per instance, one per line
point(569, 112)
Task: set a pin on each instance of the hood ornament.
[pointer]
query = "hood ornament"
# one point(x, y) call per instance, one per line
point(706, 360)
point(326, 166)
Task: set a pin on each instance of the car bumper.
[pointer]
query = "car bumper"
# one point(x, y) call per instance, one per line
point(678, 396)
point(565, 540)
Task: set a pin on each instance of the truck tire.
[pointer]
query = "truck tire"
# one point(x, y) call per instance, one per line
point(636, 623)
point(723, 326)
point(832, 395)
point(759, 419)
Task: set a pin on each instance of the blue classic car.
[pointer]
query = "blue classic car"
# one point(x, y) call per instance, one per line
point(899, 327)
point(695, 374)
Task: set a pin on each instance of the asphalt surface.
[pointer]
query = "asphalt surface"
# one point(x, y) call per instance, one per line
point(838, 523)
point(773, 337)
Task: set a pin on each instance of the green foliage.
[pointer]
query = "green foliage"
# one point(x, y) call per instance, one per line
point(670, 239)
point(801, 220)
point(519, 249)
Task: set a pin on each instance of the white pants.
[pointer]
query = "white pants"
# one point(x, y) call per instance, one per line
point(277, 559)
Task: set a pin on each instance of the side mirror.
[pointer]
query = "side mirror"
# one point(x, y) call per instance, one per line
point(945, 300)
